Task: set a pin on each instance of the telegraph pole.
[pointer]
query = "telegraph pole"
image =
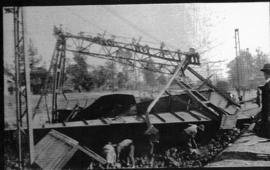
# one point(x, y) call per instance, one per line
point(237, 52)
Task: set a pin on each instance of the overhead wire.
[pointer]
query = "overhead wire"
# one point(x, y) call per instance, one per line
point(132, 24)
point(127, 22)
point(100, 28)
point(82, 18)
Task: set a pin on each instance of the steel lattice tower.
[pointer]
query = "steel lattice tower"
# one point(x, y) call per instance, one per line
point(22, 80)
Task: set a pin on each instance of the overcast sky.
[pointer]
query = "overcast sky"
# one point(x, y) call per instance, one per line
point(154, 23)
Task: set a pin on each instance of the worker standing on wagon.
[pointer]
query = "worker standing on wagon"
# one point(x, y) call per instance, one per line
point(110, 155)
point(125, 152)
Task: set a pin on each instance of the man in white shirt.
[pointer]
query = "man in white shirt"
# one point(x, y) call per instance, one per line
point(110, 155)
point(125, 152)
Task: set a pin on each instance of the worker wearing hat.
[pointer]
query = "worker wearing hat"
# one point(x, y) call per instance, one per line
point(265, 112)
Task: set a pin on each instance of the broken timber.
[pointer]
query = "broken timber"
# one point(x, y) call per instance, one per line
point(56, 149)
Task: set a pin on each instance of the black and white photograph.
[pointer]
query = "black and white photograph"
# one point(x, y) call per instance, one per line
point(132, 86)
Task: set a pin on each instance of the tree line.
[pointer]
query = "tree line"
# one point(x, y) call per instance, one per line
point(244, 70)
point(244, 73)
point(80, 76)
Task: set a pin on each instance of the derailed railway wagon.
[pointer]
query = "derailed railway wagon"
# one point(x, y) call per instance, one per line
point(118, 116)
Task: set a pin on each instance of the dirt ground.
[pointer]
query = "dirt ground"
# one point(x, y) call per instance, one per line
point(249, 150)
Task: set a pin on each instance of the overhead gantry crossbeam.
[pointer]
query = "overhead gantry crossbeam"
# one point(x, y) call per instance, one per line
point(133, 54)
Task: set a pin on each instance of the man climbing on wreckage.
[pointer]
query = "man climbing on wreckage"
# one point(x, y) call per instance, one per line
point(262, 127)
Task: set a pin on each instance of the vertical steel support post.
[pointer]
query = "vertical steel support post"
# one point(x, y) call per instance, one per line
point(22, 80)
point(58, 73)
point(28, 101)
point(17, 81)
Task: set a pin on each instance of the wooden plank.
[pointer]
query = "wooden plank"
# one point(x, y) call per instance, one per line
point(105, 120)
point(44, 145)
point(199, 114)
point(55, 150)
point(194, 115)
point(169, 118)
point(61, 154)
point(92, 154)
point(158, 116)
point(47, 158)
point(63, 137)
point(176, 115)
point(211, 113)
point(68, 157)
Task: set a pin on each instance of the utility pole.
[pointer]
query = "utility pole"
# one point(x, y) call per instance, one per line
point(237, 52)
point(28, 103)
point(22, 76)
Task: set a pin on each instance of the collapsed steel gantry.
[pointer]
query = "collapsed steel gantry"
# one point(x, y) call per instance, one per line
point(134, 54)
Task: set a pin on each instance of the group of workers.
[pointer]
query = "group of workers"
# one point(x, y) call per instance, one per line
point(122, 153)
